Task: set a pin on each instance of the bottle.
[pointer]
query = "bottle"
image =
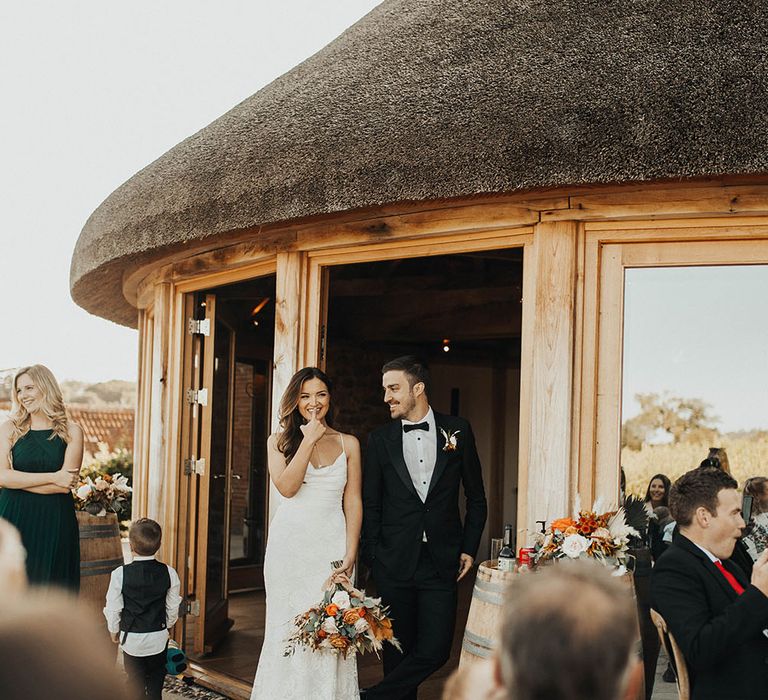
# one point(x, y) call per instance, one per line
point(507, 553)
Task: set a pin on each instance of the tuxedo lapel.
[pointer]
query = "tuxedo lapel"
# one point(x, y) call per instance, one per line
point(442, 455)
point(394, 444)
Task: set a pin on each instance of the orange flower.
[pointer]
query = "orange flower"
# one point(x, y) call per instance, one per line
point(331, 610)
point(361, 611)
point(351, 616)
point(562, 524)
point(322, 634)
point(338, 642)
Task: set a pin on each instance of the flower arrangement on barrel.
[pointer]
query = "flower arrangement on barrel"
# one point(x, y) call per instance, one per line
point(102, 493)
point(345, 620)
point(606, 536)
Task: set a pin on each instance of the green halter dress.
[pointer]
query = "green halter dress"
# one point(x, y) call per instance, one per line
point(47, 522)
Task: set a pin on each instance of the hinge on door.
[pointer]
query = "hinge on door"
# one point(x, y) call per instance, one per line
point(202, 327)
point(322, 343)
point(194, 466)
point(199, 396)
point(189, 607)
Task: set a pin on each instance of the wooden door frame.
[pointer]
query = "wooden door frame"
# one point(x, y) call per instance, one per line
point(609, 249)
point(315, 302)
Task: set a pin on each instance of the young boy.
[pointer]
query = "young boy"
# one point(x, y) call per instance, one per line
point(142, 603)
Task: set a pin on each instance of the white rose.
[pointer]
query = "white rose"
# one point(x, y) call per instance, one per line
point(341, 599)
point(361, 625)
point(329, 625)
point(574, 545)
point(83, 491)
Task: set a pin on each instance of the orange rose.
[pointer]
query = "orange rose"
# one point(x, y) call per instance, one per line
point(361, 611)
point(331, 610)
point(562, 524)
point(338, 642)
point(322, 634)
point(351, 616)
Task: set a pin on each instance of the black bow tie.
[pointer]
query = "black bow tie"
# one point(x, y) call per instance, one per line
point(407, 427)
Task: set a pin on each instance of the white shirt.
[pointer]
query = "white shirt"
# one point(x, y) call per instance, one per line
point(420, 453)
point(141, 643)
point(709, 554)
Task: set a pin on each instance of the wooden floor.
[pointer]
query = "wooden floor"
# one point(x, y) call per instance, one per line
point(238, 655)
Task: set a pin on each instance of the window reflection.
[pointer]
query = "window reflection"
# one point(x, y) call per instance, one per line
point(695, 370)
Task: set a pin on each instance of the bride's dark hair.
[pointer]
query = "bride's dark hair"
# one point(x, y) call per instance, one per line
point(290, 436)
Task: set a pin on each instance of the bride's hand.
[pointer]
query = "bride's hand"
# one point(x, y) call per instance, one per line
point(345, 570)
point(313, 430)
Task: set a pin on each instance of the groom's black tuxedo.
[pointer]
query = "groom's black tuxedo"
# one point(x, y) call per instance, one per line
point(417, 579)
point(394, 516)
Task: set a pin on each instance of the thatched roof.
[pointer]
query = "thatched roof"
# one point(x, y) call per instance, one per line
point(427, 99)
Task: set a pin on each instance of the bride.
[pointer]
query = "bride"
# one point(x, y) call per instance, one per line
point(317, 471)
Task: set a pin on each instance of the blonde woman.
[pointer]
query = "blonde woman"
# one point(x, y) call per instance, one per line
point(40, 457)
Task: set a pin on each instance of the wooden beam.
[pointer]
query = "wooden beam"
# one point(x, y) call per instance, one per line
point(649, 202)
point(549, 440)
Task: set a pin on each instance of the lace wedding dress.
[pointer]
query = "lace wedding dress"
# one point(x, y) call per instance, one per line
point(307, 533)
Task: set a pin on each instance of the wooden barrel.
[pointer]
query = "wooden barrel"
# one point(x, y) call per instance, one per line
point(100, 553)
point(482, 631)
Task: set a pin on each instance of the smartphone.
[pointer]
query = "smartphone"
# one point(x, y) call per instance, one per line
point(746, 507)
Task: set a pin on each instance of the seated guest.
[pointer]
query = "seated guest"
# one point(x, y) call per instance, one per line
point(715, 613)
point(569, 632)
point(757, 540)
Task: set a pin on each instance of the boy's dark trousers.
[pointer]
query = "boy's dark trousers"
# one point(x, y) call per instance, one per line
point(147, 673)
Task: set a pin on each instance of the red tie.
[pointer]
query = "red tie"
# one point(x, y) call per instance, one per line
point(729, 577)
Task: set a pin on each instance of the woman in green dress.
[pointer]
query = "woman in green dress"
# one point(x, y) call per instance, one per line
point(40, 456)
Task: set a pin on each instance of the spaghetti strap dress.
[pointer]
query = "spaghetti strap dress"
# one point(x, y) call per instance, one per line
point(46, 522)
point(307, 533)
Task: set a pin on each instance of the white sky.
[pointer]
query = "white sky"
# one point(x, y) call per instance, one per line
point(91, 92)
point(699, 332)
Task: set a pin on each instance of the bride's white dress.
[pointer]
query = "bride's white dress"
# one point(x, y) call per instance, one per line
point(307, 533)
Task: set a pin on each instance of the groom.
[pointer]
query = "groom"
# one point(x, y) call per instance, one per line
point(413, 538)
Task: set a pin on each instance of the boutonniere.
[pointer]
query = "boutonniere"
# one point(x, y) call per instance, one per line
point(451, 442)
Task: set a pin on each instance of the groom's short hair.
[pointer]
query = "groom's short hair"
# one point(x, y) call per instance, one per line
point(415, 369)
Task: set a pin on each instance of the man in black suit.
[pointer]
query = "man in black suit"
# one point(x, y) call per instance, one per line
point(718, 617)
point(413, 538)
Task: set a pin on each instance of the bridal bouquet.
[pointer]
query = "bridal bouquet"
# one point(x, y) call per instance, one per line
point(602, 536)
point(345, 620)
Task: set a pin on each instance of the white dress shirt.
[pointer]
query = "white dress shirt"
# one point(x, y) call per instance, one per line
point(141, 643)
point(420, 454)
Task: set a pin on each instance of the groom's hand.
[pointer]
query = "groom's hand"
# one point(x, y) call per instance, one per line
point(465, 564)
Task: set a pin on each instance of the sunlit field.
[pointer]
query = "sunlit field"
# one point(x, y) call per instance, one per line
point(748, 456)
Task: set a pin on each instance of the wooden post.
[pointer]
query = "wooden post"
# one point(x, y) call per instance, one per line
point(548, 468)
point(159, 501)
point(288, 306)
